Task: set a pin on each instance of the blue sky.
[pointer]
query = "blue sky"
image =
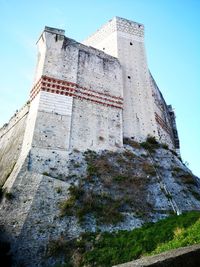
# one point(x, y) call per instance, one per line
point(172, 44)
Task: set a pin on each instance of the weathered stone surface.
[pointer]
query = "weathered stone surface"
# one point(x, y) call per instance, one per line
point(11, 139)
point(32, 218)
point(187, 257)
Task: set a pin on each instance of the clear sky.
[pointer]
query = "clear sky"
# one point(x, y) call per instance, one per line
point(172, 38)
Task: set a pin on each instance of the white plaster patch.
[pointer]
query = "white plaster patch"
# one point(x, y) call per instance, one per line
point(55, 103)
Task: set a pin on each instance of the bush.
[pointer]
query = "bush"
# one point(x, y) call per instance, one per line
point(165, 146)
point(151, 140)
point(46, 173)
point(150, 144)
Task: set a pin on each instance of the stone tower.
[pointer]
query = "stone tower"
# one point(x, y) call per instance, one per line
point(124, 39)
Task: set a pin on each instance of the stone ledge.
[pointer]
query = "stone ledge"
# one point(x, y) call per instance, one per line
point(181, 257)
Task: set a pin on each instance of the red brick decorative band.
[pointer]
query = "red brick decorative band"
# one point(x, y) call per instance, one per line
point(57, 86)
point(163, 124)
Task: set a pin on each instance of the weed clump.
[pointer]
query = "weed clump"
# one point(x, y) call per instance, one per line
point(150, 144)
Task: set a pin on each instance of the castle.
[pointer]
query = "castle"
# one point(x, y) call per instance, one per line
point(87, 97)
point(91, 95)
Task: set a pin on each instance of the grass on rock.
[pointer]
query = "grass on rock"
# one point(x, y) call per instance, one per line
point(108, 249)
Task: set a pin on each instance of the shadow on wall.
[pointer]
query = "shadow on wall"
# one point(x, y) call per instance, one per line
point(5, 254)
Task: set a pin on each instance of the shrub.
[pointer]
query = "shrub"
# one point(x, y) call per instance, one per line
point(150, 144)
point(146, 145)
point(151, 140)
point(66, 207)
point(165, 146)
point(76, 191)
point(46, 173)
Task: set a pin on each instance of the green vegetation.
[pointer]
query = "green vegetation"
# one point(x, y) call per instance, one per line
point(46, 173)
point(165, 146)
point(108, 249)
point(150, 144)
point(183, 236)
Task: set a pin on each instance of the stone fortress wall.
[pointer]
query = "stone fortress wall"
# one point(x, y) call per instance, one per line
point(11, 140)
point(91, 95)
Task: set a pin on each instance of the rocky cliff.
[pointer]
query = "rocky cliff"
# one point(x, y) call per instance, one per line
point(104, 191)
